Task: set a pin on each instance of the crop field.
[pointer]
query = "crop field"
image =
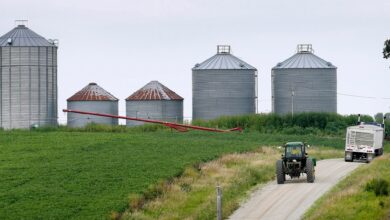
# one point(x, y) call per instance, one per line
point(88, 175)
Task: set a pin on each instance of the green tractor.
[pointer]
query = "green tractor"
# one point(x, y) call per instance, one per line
point(295, 162)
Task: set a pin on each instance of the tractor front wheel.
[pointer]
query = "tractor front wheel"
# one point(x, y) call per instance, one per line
point(280, 176)
point(310, 170)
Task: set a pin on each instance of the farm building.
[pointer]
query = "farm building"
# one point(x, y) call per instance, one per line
point(92, 98)
point(304, 83)
point(28, 79)
point(154, 101)
point(223, 85)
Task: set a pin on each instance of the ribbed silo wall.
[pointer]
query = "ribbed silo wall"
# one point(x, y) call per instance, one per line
point(28, 80)
point(79, 120)
point(315, 90)
point(223, 92)
point(164, 110)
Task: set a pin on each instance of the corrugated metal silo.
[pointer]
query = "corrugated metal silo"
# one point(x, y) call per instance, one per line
point(304, 83)
point(28, 79)
point(92, 98)
point(223, 85)
point(154, 101)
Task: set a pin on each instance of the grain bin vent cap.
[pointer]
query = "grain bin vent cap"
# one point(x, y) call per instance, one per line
point(22, 36)
point(305, 58)
point(154, 90)
point(92, 92)
point(223, 60)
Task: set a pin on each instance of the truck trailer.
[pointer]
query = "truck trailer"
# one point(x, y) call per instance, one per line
point(364, 141)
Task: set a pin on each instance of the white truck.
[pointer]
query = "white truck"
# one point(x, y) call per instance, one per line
point(364, 141)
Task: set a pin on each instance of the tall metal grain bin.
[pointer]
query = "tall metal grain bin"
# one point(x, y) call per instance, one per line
point(304, 83)
point(223, 85)
point(154, 101)
point(28, 79)
point(92, 98)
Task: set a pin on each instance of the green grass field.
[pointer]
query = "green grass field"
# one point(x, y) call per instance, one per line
point(87, 175)
point(349, 199)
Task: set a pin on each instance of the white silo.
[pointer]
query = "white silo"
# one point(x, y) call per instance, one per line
point(154, 101)
point(223, 85)
point(304, 83)
point(92, 98)
point(28, 79)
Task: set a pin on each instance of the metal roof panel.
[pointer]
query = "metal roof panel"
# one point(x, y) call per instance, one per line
point(154, 90)
point(223, 60)
point(304, 60)
point(22, 36)
point(92, 92)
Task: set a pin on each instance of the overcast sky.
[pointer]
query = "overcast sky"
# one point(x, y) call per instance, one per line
point(122, 44)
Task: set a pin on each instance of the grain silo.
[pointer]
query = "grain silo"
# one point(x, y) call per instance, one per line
point(92, 98)
point(304, 83)
point(154, 101)
point(223, 85)
point(28, 79)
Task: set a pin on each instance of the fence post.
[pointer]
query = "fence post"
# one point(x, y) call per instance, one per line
point(219, 203)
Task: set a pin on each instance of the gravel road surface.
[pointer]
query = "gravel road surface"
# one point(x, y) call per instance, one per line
point(292, 199)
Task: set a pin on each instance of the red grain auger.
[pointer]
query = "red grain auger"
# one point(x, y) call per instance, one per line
point(176, 126)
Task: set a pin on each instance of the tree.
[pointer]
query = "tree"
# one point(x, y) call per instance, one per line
point(386, 49)
point(379, 117)
point(387, 115)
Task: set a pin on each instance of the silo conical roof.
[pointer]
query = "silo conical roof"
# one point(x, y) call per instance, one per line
point(223, 60)
point(22, 36)
point(154, 90)
point(92, 92)
point(305, 58)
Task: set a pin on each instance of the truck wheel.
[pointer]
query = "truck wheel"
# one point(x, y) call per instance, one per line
point(310, 170)
point(348, 157)
point(280, 176)
point(370, 157)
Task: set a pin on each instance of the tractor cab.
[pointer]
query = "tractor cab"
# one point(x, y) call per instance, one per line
point(294, 150)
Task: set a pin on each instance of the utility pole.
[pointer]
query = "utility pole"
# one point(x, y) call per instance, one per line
point(219, 203)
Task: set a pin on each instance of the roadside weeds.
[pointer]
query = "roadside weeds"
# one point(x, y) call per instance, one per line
point(192, 195)
point(349, 199)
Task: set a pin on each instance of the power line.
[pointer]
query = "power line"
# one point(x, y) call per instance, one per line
point(357, 96)
point(339, 93)
point(360, 96)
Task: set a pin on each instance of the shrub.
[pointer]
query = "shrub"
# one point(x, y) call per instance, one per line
point(300, 123)
point(378, 186)
point(387, 127)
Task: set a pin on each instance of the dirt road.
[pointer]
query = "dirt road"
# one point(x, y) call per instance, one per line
point(292, 199)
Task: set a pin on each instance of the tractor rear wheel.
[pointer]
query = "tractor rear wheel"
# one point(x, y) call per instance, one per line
point(280, 176)
point(310, 170)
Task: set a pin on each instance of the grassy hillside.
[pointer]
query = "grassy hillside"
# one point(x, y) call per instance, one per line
point(355, 197)
point(87, 175)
